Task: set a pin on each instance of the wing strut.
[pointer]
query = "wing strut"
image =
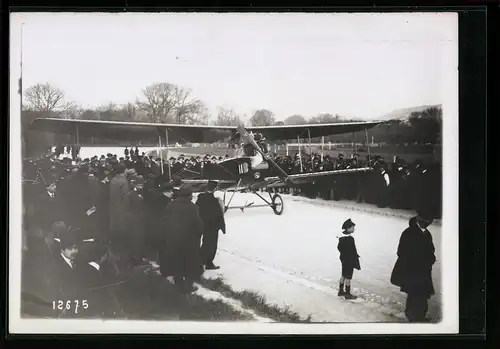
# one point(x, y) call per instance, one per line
point(310, 149)
point(367, 144)
point(166, 154)
point(161, 153)
point(354, 146)
point(77, 136)
point(300, 153)
point(322, 147)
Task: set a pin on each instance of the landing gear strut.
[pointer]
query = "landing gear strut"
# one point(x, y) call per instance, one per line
point(275, 202)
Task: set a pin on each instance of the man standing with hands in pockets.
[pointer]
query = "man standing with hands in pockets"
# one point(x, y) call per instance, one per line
point(212, 216)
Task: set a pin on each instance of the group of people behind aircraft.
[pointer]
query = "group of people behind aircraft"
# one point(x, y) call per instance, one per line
point(395, 184)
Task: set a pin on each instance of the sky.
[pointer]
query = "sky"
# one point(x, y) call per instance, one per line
point(354, 65)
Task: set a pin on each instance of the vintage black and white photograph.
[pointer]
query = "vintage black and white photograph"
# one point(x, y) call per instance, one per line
point(233, 173)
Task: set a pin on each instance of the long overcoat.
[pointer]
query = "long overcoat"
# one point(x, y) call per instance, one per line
point(135, 220)
point(118, 202)
point(181, 255)
point(413, 269)
point(348, 253)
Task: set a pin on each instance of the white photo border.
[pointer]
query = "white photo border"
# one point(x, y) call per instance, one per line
point(450, 262)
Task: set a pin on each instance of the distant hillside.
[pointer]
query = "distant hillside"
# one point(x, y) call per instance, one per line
point(404, 113)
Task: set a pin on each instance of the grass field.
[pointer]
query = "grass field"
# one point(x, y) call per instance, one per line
point(254, 301)
point(149, 296)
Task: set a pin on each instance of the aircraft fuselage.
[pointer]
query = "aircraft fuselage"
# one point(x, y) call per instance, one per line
point(243, 167)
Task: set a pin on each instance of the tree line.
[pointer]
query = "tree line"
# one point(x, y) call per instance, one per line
point(170, 103)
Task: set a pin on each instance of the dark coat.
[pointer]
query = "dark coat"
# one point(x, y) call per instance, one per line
point(78, 199)
point(413, 269)
point(118, 202)
point(135, 217)
point(348, 253)
point(94, 197)
point(48, 210)
point(155, 204)
point(181, 254)
point(47, 278)
point(211, 213)
point(38, 288)
point(83, 282)
point(102, 207)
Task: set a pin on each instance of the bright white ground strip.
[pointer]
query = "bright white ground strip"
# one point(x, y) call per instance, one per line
point(358, 207)
point(212, 295)
point(316, 286)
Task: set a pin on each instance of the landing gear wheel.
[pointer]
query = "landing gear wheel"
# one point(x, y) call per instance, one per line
point(277, 204)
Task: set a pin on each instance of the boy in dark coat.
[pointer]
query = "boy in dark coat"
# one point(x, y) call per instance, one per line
point(413, 269)
point(349, 258)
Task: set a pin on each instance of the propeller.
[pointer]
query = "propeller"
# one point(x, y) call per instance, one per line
point(248, 138)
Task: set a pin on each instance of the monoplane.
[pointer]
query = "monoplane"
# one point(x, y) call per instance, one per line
point(251, 169)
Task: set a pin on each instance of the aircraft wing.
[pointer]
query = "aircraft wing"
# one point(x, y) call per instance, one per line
point(285, 132)
point(132, 131)
point(309, 177)
point(149, 132)
point(198, 185)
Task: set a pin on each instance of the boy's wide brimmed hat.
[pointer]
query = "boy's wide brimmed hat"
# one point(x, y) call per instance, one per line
point(348, 224)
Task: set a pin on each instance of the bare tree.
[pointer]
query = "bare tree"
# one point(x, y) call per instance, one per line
point(165, 102)
point(187, 110)
point(71, 111)
point(226, 117)
point(192, 113)
point(158, 102)
point(263, 117)
point(295, 120)
point(49, 100)
point(324, 118)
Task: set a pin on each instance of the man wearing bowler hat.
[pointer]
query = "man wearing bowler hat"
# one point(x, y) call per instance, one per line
point(413, 269)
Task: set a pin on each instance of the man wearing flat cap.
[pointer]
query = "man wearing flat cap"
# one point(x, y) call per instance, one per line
point(180, 256)
point(413, 269)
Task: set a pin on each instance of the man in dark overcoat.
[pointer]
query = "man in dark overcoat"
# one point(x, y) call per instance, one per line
point(136, 221)
point(156, 199)
point(48, 208)
point(413, 269)
point(37, 288)
point(212, 215)
point(79, 281)
point(180, 256)
point(118, 204)
point(79, 201)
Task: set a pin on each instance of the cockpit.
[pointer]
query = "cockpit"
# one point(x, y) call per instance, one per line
point(249, 150)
